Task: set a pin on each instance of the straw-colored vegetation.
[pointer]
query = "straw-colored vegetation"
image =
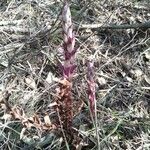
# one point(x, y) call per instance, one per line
point(112, 34)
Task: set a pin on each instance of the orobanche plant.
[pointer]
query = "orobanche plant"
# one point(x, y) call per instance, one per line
point(65, 102)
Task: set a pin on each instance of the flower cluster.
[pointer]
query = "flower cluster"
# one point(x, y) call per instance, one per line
point(91, 86)
point(69, 43)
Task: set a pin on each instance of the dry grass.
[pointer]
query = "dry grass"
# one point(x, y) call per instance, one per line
point(30, 36)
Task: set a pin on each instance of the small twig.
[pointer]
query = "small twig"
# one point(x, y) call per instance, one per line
point(13, 29)
point(10, 47)
point(12, 22)
point(144, 25)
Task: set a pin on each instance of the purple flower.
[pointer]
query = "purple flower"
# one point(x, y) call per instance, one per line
point(69, 43)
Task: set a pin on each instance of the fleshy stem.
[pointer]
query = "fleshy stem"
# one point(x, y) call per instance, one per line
point(91, 86)
point(92, 97)
point(64, 101)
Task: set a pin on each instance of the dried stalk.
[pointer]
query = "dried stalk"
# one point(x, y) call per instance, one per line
point(64, 104)
point(144, 25)
point(14, 29)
